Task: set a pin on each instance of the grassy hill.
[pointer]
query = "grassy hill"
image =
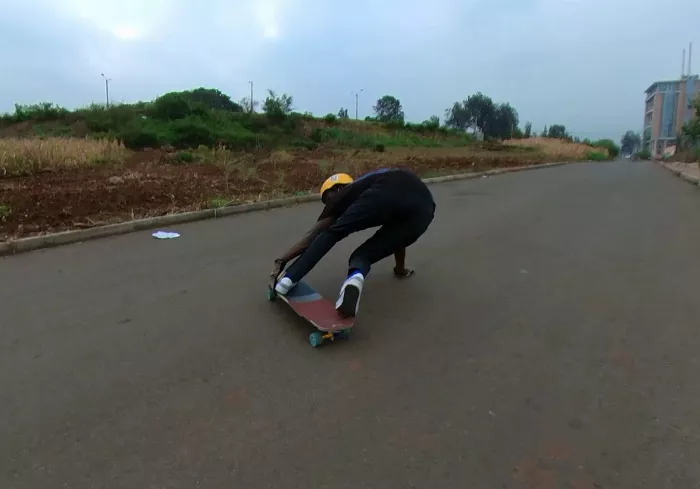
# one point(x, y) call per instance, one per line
point(62, 169)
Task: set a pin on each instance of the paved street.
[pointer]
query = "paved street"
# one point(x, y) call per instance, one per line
point(548, 340)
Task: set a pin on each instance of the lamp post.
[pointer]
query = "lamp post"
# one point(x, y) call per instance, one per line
point(357, 95)
point(107, 80)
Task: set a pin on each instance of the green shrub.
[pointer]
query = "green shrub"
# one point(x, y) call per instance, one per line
point(609, 144)
point(304, 143)
point(418, 128)
point(321, 134)
point(99, 118)
point(644, 154)
point(331, 119)
point(191, 132)
point(289, 124)
point(171, 106)
point(596, 156)
point(255, 122)
point(143, 134)
point(379, 148)
point(394, 124)
point(5, 212)
point(185, 157)
point(695, 154)
point(236, 136)
point(43, 112)
point(432, 124)
point(206, 99)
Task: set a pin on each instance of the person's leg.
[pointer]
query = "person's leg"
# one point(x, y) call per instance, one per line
point(364, 213)
point(393, 236)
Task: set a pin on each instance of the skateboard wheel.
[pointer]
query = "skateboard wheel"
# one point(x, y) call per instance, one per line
point(315, 339)
point(344, 333)
point(271, 294)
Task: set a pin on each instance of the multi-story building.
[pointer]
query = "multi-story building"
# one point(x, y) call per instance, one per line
point(669, 105)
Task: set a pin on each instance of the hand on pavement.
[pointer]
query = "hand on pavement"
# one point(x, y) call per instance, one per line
point(403, 273)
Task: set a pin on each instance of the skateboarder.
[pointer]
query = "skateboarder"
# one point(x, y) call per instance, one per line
point(395, 199)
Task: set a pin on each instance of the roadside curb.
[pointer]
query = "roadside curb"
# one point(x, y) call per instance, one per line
point(692, 179)
point(32, 243)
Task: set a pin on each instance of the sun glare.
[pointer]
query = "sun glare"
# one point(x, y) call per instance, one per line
point(126, 32)
point(267, 17)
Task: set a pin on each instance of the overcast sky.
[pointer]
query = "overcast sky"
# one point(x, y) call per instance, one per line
point(581, 63)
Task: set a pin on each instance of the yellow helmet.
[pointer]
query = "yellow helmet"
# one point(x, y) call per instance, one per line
point(338, 178)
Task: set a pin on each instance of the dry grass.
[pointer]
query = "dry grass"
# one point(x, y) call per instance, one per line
point(26, 156)
point(280, 156)
point(558, 148)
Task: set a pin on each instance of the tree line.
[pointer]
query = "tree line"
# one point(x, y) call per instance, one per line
point(477, 113)
point(205, 114)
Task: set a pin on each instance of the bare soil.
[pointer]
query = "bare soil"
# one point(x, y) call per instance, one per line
point(152, 183)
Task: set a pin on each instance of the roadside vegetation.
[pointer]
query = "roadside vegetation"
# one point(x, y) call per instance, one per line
point(691, 133)
point(61, 169)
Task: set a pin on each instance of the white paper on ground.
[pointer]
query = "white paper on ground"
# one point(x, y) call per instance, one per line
point(165, 235)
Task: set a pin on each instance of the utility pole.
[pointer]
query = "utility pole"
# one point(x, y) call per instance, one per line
point(107, 80)
point(251, 96)
point(357, 95)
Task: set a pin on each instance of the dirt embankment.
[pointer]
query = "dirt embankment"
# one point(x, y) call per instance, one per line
point(153, 183)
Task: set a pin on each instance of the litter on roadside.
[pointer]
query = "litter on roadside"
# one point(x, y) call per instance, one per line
point(165, 235)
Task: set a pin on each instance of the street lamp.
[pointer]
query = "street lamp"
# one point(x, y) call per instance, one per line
point(357, 94)
point(107, 80)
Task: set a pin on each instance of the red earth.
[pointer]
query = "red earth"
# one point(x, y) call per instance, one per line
point(150, 184)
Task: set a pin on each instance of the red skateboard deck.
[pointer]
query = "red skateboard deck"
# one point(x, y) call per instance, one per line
point(317, 310)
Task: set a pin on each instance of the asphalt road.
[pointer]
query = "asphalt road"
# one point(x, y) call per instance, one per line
point(549, 339)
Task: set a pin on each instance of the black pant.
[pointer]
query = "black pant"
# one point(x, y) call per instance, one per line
point(403, 214)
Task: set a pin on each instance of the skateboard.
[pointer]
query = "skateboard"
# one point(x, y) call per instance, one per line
point(317, 310)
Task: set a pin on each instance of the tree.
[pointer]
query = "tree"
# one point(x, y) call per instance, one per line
point(692, 128)
point(476, 112)
point(558, 131)
point(343, 113)
point(609, 144)
point(528, 130)
point(457, 117)
point(211, 99)
point(277, 106)
point(480, 112)
point(630, 142)
point(388, 109)
point(245, 103)
point(503, 124)
point(432, 124)
point(171, 106)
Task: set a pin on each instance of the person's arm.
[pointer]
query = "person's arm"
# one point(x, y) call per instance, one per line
point(304, 242)
point(298, 248)
point(400, 269)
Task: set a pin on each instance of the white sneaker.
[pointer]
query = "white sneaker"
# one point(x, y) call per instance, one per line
point(284, 286)
point(349, 300)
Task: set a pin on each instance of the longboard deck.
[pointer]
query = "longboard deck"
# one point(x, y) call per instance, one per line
point(313, 307)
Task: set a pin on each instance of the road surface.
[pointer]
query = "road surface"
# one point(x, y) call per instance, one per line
point(549, 339)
